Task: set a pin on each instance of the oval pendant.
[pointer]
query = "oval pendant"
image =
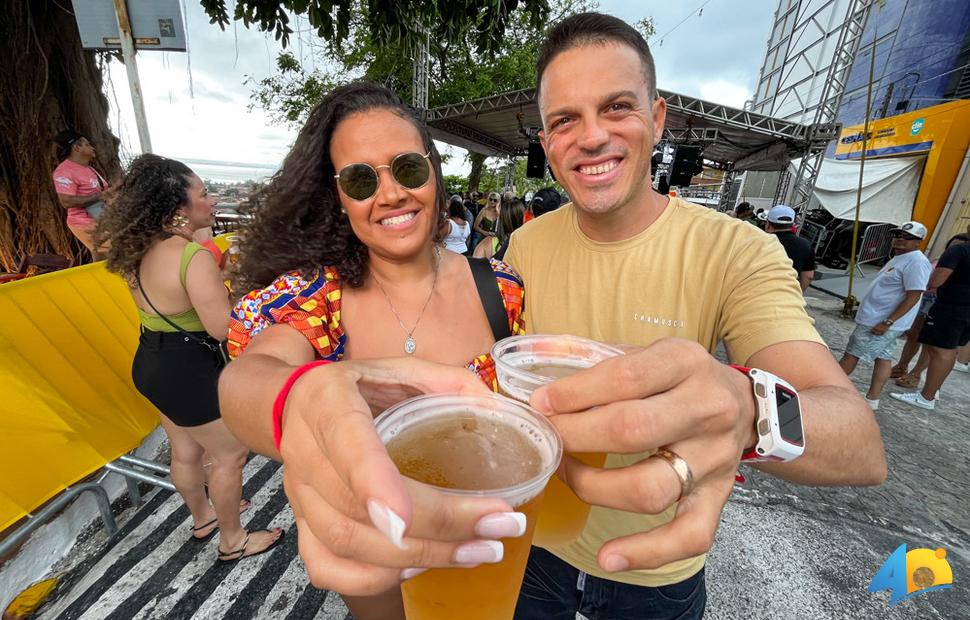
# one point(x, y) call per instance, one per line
point(410, 345)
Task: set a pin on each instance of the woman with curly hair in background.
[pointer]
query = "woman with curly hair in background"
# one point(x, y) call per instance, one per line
point(353, 222)
point(161, 210)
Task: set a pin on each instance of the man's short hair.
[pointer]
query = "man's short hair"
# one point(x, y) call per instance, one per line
point(743, 207)
point(65, 140)
point(594, 28)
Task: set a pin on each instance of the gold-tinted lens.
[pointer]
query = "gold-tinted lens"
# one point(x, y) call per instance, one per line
point(411, 170)
point(358, 181)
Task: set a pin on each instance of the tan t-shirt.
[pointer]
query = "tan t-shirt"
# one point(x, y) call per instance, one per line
point(695, 274)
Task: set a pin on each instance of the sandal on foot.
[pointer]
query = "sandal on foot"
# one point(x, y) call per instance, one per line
point(908, 381)
point(897, 372)
point(243, 507)
point(240, 553)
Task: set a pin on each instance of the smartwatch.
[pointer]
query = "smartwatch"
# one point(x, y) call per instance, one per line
point(779, 418)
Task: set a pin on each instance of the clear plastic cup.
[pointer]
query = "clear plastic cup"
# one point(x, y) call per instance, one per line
point(484, 446)
point(526, 363)
point(233, 241)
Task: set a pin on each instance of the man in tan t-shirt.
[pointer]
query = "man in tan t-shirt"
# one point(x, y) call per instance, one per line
point(624, 264)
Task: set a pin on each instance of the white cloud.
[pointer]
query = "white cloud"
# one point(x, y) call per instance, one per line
point(715, 56)
point(724, 92)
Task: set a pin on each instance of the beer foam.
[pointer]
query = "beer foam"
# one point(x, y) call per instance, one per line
point(485, 445)
point(465, 452)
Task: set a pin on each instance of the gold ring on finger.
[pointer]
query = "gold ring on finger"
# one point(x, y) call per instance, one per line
point(681, 468)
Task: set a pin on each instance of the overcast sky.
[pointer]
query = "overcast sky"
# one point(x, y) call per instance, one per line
point(715, 56)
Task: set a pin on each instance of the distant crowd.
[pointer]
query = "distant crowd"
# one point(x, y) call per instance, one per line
point(480, 225)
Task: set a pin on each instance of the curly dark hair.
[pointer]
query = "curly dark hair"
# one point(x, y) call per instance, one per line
point(153, 190)
point(298, 225)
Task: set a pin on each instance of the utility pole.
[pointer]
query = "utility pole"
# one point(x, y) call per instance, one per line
point(851, 303)
point(131, 68)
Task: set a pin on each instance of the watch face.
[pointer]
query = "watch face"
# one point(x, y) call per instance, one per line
point(789, 415)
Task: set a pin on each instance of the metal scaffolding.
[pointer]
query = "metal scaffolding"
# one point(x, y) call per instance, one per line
point(824, 128)
point(735, 138)
point(419, 73)
point(723, 201)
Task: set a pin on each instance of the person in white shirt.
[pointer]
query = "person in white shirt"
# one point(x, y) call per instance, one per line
point(458, 227)
point(889, 308)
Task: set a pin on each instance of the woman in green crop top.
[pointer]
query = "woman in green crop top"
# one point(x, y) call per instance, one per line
point(153, 230)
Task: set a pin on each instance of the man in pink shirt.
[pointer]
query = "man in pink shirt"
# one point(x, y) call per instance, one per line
point(80, 188)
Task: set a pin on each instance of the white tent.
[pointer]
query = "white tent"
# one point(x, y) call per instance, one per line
point(888, 189)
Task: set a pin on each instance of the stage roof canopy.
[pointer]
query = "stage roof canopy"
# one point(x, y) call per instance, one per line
point(735, 139)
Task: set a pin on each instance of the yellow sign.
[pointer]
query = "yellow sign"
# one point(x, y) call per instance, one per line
point(905, 134)
point(940, 132)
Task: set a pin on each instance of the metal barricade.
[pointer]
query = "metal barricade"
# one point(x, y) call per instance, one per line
point(814, 233)
point(877, 243)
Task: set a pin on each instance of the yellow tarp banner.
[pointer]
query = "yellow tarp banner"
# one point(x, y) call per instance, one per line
point(67, 403)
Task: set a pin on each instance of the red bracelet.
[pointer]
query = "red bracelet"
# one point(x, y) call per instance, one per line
point(280, 401)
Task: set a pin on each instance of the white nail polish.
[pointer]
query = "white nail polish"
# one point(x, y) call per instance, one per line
point(408, 573)
point(480, 552)
point(387, 521)
point(501, 525)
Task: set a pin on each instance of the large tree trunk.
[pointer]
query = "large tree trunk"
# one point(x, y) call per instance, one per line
point(47, 83)
point(477, 161)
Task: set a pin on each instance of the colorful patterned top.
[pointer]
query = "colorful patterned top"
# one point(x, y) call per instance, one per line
point(311, 305)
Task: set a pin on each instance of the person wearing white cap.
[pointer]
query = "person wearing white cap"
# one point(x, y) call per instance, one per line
point(889, 308)
point(780, 221)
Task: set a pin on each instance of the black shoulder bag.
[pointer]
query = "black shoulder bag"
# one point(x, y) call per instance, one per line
point(219, 349)
point(498, 318)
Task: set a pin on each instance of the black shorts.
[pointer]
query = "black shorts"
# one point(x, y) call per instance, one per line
point(946, 327)
point(179, 376)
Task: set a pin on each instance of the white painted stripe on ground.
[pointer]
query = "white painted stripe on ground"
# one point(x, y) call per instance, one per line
point(160, 605)
point(158, 556)
point(126, 545)
point(333, 608)
point(206, 554)
point(287, 589)
point(244, 570)
point(138, 575)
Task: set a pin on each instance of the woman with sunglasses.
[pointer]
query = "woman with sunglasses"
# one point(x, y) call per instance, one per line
point(353, 222)
point(487, 221)
point(510, 219)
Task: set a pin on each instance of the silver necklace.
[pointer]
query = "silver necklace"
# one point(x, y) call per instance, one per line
point(410, 346)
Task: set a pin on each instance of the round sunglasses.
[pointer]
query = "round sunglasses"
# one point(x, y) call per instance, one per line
point(360, 181)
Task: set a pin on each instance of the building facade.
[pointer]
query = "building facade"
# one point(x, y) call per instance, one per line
point(922, 53)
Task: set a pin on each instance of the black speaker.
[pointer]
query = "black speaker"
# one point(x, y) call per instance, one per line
point(535, 167)
point(687, 162)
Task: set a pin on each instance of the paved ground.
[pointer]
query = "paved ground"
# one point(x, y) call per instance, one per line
point(833, 540)
point(782, 551)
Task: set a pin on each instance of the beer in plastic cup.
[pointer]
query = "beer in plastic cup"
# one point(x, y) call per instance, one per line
point(481, 446)
point(233, 249)
point(522, 365)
